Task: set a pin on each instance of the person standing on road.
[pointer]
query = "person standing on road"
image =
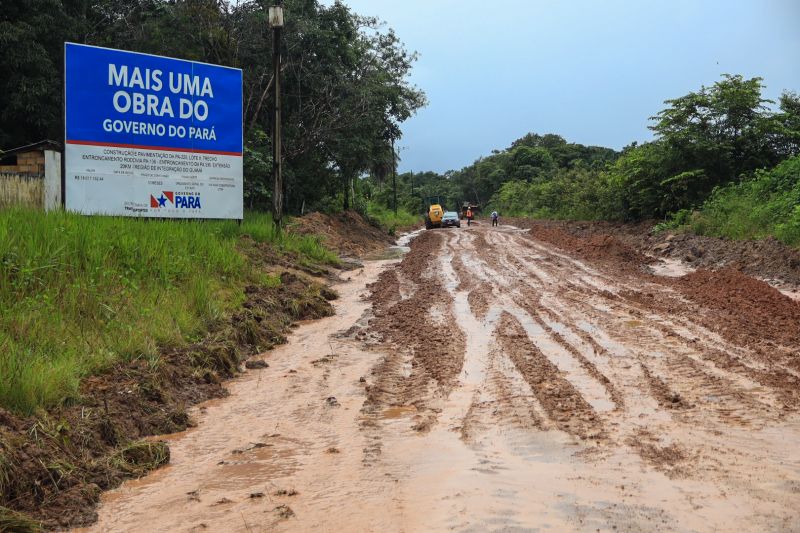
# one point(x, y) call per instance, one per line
point(469, 216)
point(494, 218)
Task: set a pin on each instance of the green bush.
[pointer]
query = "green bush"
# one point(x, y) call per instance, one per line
point(768, 204)
point(387, 218)
point(568, 194)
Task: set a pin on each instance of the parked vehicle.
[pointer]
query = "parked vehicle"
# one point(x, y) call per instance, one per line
point(433, 219)
point(451, 219)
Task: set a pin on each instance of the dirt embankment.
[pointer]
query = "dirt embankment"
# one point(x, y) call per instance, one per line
point(347, 233)
point(766, 258)
point(598, 246)
point(749, 311)
point(53, 466)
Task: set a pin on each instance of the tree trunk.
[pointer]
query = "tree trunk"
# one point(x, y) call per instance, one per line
point(261, 102)
point(346, 183)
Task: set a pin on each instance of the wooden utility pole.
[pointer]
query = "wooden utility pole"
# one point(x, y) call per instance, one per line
point(394, 176)
point(276, 21)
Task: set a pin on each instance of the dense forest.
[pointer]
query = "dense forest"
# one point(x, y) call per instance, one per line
point(344, 83)
point(724, 160)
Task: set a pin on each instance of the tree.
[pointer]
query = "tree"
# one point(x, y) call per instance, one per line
point(716, 136)
point(344, 78)
point(723, 129)
point(531, 163)
point(786, 128)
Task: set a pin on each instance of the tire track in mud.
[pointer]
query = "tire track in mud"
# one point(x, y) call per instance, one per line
point(532, 283)
point(531, 302)
point(683, 367)
point(520, 308)
point(661, 392)
point(718, 356)
point(686, 367)
point(724, 355)
point(564, 405)
point(726, 395)
point(566, 336)
point(694, 354)
point(427, 348)
point(709, 376)
point(504, 398)
point(480, 291)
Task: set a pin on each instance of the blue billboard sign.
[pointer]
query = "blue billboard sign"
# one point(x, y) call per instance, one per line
point(142, 131)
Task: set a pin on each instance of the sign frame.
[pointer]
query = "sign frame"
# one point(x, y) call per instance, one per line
point(197, 175)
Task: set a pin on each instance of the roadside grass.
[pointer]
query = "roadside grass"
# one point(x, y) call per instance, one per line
point(389, 220)
point(78, 294)
point(12, 521)
point(309, 249)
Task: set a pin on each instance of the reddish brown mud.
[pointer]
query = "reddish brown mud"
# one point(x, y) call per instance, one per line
point(498, 380)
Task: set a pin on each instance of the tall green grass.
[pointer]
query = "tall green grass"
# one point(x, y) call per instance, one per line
point(308, 248)
point(80, 293)
point(389, 219)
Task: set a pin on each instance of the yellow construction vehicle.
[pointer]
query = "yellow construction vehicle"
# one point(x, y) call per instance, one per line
point(435, 212)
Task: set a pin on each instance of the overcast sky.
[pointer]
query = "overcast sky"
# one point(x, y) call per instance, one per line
point(592, 71)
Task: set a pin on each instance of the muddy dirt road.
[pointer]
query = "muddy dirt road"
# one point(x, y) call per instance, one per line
point(496, 380)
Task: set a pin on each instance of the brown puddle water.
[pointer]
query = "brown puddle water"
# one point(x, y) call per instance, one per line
point(290, 428)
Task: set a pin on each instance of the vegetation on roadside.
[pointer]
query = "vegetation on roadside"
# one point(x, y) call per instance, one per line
point(768, 204)
point(14, 522)
point(81, 293)
point(158, 312)
point(390, 220)
point(413, 190)
point(724, 161)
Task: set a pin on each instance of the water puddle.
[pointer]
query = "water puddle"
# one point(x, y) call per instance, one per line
point(401, 247)
point(592, 390)
point(672, 268)
point(399, 411)
point(404, 241)
point(392, 252)
point(793, 293)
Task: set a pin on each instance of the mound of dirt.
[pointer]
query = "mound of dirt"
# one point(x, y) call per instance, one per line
point(593, 247)
point(766, 258)
point(53, 466)
point(745, 308)
point(604, 246)
point(347, 233)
